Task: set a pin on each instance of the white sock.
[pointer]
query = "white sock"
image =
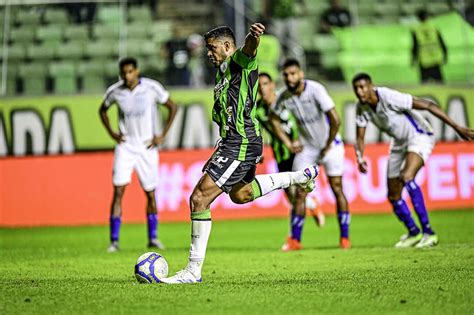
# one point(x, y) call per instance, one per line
point(199, 238)
point(271, 182)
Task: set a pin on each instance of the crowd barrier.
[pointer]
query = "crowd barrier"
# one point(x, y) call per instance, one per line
point(76, 189)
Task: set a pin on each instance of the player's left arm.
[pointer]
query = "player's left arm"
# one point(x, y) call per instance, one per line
point(334, 124)
point(253, 39)
point(463, 132)
point(172, 109)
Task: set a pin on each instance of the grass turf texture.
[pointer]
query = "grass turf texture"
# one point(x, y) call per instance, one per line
point(66, 270)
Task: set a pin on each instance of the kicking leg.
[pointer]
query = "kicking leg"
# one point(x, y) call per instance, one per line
point(413, 164)
point(343, 215)
point(115, 218)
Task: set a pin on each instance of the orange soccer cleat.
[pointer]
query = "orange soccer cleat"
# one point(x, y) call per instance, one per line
point(291, 244)
point(344, 243)
point(314, 207)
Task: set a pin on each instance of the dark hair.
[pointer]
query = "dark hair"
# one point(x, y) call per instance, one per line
point(291, 62)
point(127, 61)
point(265, 74)
point(220, 32)
point(361, 76)
point(422, 14)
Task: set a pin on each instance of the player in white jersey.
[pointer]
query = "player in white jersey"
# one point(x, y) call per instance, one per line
point(318, 123)
point(137, 140)
point(411, 145)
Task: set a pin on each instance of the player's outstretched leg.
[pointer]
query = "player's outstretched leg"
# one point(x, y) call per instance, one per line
point(115, 219)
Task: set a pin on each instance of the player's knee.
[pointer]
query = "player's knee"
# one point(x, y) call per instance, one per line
point(394, 196)
point(196, 200)
point(150, 194)
point(242, 196)
point(405, 177)
point(118, 192)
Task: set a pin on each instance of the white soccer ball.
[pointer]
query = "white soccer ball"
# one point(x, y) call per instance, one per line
point(150, 268)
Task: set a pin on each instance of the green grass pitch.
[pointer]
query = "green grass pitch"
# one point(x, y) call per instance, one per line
point(67, 271)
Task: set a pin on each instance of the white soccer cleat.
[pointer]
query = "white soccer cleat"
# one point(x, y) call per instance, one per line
point(428, 240)
point(156, 243)
point(182, 277)
point(408, 241)
point(113, 247)
point(305, 178)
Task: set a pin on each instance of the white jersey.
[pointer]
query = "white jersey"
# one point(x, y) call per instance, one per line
point(394, 115)
point(137, 108)
point(310, 109)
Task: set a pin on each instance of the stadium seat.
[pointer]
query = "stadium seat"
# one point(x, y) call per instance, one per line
point(387, 9)
point(101, 32)
point(139, 14)
point(138, 30)
point(16, 53)
point(73, 50)
point(92, 76)
point(51, 33)
point(161, 31)
point(40, 52)
point(12, 73)
point(101, 49)
point(27, 16)
point(438, 8)
point(56, 17)
point(24, 35)
point(76, 32)
point(64, 77)
point(306, 28)
point(33, 76)
point(111, 15)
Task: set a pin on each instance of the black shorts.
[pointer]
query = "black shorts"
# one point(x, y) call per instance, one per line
point(226, 171)
point(286, 165)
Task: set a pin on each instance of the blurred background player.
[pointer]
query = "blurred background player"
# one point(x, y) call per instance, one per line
point(231, 169)
point(318, 124)
point(412, 141)
point(429, 50)
point(137, 141)
point(283, 155)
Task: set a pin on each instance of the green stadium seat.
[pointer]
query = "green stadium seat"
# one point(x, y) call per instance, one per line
point(111, 15)
point(16, 52)
point(410, 8)
point(161, 31)
point(101, 50)
point(138, 31)
point(33, 76)
point(387, 9)
point(438, 8)
point(12, 74)
point(49, 34)
point(27, 16)
point(306, 28)
point(64, 77)
point(73, 50)
point(76, 32)
point(92, 75)
point(134, 47)
point(56, 17)
point(24, 35)
point(149, 49)
point(40, 52)
point(139, 14)
point(106, 32)
point(325, 43)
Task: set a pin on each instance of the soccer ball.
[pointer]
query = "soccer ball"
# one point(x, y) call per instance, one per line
point(150, 268)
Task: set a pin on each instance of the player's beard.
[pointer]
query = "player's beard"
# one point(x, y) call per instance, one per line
point(295, 87)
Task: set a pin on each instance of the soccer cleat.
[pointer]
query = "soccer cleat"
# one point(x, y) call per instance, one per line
point(113, 247)
point(344, 243)
point(408, 240)
point(428, 240)
point(305, 178)
point(156, 243)
point(317, 213)
point(291, 244)
point(181, 277)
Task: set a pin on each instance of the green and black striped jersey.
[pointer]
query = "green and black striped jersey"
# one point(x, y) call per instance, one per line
point(288, 124)
point(235, 96)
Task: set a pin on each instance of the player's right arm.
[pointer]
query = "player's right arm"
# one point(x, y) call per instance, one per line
point(359, 149)
point(105, 121)
point(253, 39)
point(294, 146)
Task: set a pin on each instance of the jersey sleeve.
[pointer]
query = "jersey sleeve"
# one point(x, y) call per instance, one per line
point(243, 60)
point(109, 97)
point(398, 100)
point(361, 117)
point(161, 94)
point(322, 97)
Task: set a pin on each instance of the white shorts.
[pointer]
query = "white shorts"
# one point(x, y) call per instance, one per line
point(333, 162)
point(143, 160)
point(420, 144)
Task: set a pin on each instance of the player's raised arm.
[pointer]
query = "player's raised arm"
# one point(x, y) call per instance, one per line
point(463, 132)
point(359, 149)
point(105, 121)
point(253, 39)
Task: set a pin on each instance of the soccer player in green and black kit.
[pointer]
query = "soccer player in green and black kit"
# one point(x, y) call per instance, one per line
point(284, 157)
point(231, 169)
